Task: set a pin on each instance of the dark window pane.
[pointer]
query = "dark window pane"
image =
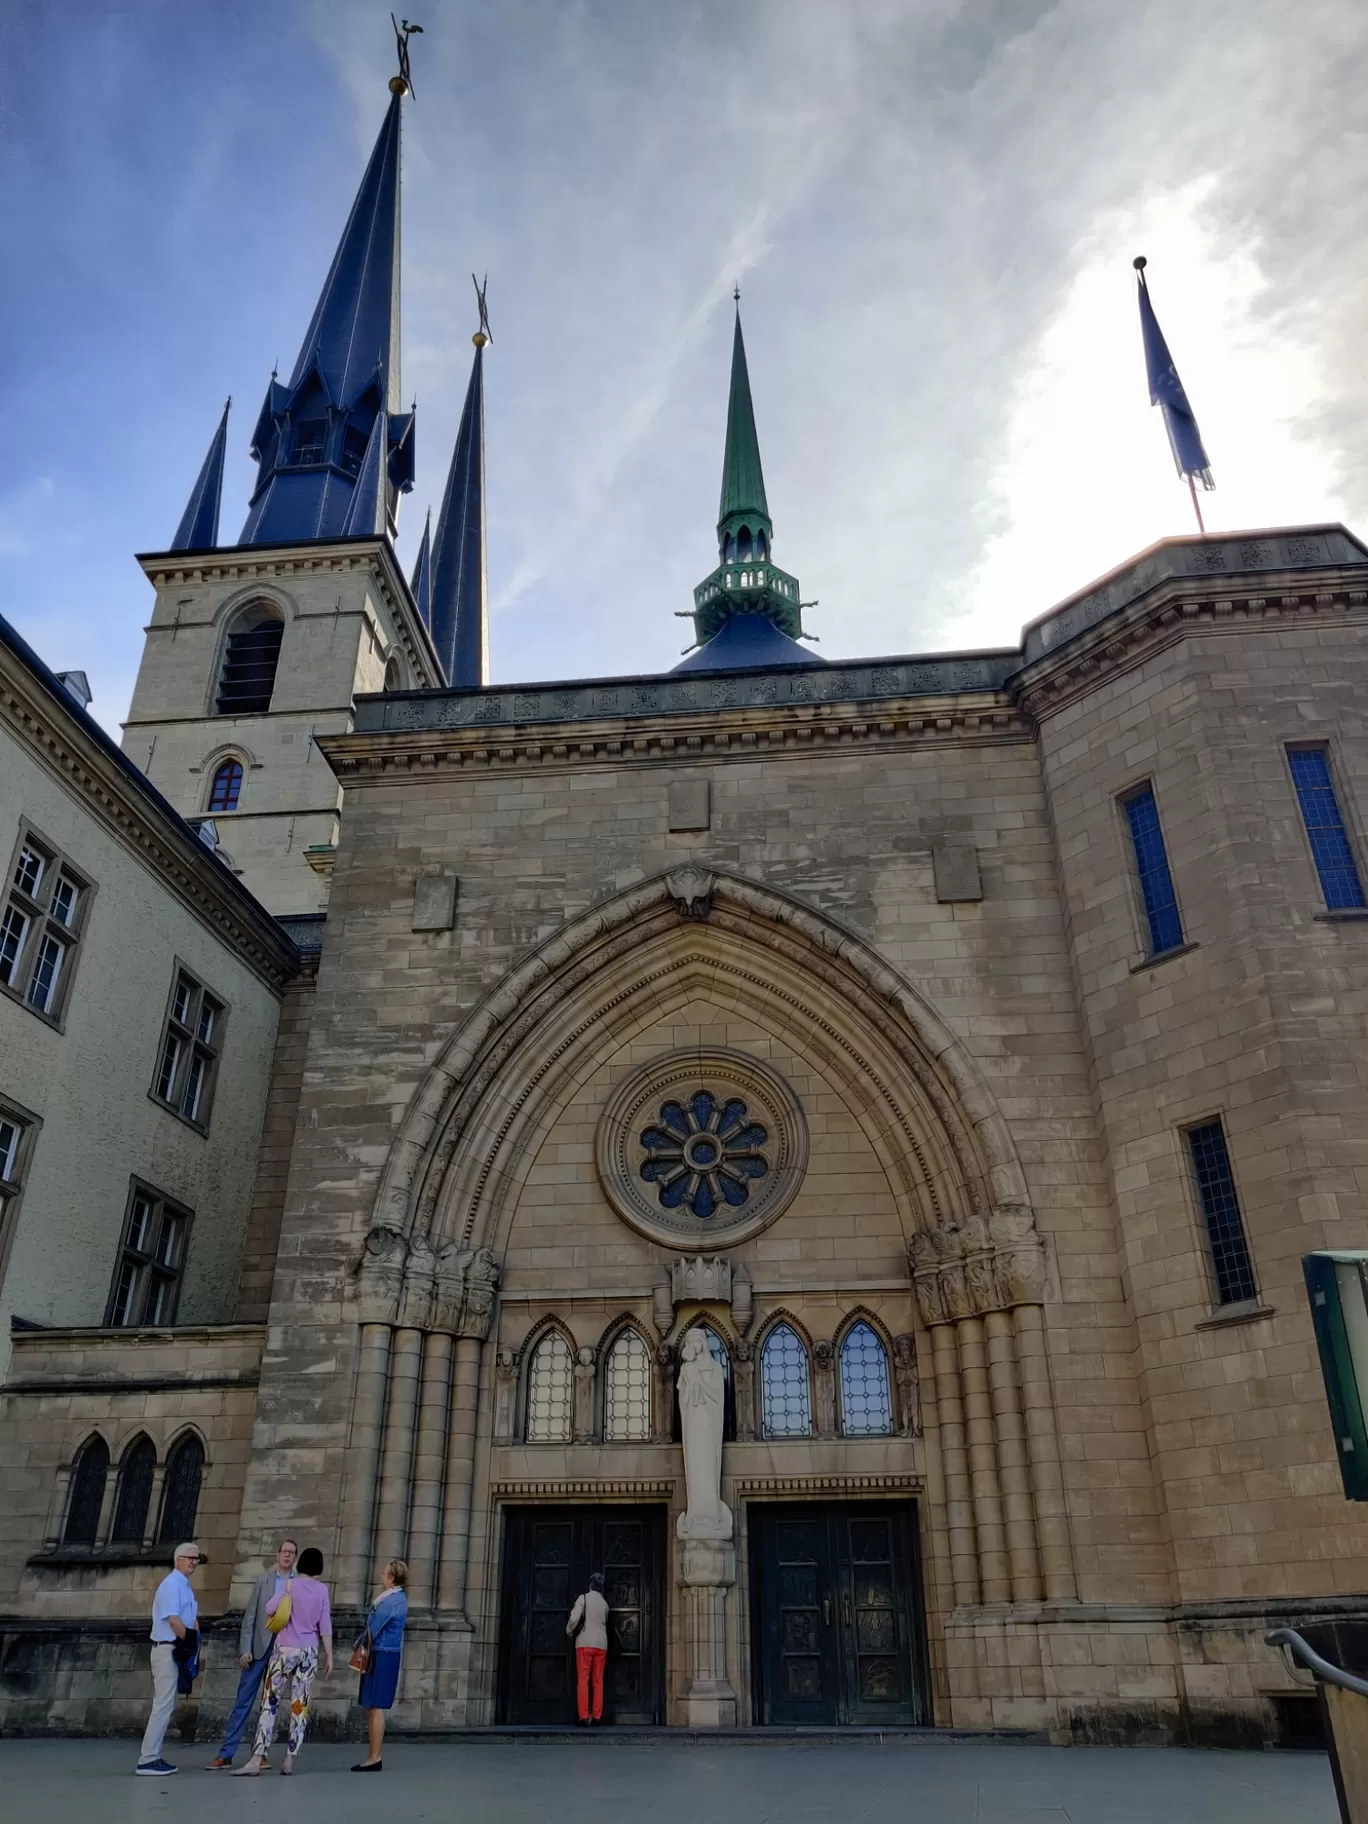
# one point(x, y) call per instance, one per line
point(1221, 1210)
point(1339, 876)
point(223, 794)
point(87, 1494)
point(180, 1496)
point(310, 440)
point(249, 669)
point(135, 1492)
point(354, 443)
point(786, 1397)
point(1151, 865)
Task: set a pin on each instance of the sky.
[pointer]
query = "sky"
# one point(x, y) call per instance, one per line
point(930, 206)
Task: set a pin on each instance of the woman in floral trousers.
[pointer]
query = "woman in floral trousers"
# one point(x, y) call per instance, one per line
point(304, 1641)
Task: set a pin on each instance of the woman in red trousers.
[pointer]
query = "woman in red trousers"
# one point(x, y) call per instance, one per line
point(590, 1616)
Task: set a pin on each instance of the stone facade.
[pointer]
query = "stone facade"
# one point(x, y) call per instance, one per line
point(902, 894)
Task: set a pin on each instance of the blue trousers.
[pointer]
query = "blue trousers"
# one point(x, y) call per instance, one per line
point(249, 1685)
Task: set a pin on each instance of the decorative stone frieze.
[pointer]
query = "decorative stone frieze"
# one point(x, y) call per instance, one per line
point(988, 1263)
point(401, 1280)
point(415, 1298)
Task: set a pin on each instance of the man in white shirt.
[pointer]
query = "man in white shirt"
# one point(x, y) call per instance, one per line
point(174, 1613)
point(590, 1615)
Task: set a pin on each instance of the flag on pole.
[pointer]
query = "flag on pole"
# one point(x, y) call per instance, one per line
point(1166, 391)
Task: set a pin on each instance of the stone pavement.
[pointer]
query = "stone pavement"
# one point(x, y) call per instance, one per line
point(602, 1782)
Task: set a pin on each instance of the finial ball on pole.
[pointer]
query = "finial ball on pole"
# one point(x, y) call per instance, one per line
point(1139, 262)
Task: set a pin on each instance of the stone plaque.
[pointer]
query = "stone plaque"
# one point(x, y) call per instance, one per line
point(957, 871)
point(434, 902)
point(689, 806)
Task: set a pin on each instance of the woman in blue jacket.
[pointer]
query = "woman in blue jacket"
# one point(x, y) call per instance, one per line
point(380, 1680)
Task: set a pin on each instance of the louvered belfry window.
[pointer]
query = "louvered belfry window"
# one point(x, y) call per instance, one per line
point(247, 682)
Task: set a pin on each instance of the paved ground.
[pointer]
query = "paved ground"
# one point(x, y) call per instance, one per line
point(677, 1783)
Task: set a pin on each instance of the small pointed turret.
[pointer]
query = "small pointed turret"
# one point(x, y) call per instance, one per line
point(313, 434)
point(747, 613)
point(366, 517)
point(460, 619)
point(421, 581)
point(198, 529)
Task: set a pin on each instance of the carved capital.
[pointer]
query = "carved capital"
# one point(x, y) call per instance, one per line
point(481, 1269)
point(415, 1299)
point(379, 1275)
point(986, 1264)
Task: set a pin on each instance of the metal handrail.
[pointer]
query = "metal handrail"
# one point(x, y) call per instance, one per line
point(1292, 1643)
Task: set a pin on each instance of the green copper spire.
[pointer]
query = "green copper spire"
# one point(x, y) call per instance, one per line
point(746, 581)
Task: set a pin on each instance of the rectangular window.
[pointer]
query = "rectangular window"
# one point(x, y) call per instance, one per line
point(40, 926)
point(1339, 876)
point(1231, 1266)
point(17, 1130)
point(187, 1062)
point(147, 1278)
point(310, 439)
point(1152, 871)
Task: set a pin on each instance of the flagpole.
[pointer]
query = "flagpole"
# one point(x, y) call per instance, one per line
point(1192, 489)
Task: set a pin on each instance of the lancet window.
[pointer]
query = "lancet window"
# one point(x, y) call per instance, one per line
point(87, 1494)
point(181, 1492)
point(136, 1473)
point(550, 1389)
point(866, 1396)
point(785, 1385)
point(627, 1390)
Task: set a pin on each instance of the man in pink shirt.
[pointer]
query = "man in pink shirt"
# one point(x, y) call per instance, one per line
point(299, 1645)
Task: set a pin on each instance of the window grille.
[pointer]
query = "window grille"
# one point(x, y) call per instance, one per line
point(627, 1391)
point(1336, 868)
point(181, 1492)
point(86, 1498)
point(1231, 1265)
point(223, 793)
point(187, 1061)
point(147, 1278)
point(40, 927)
point(866, 1397)
point(249, 669)
point(550, 1382)
point(354, 443)
point(785, 1385)
point(310, 441)
point(1152, 870)
point(136, 1473)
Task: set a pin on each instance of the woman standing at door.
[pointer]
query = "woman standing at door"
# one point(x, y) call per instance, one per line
point(590, 1615)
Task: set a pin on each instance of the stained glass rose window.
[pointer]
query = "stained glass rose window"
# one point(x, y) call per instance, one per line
point(703, 1153)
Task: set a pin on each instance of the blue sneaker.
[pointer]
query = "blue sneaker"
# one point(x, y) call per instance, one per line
point(154, 1769)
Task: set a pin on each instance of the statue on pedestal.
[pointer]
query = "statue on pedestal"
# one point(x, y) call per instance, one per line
point(702, 1394)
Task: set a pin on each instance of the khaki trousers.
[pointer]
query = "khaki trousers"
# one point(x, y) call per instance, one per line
point(163, 1702)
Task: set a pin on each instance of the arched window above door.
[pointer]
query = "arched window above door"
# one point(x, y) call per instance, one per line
point(550, 1391)
point(866, 1396)
point(627, 1390)
point(785, 1385)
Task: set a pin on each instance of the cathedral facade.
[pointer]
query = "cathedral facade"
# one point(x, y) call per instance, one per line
point(967, 1049)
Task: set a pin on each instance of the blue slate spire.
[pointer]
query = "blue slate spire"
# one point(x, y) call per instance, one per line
point(198, 529)
point(421, 582)
point(366, 511)
point(314, 431)
point(459, 610)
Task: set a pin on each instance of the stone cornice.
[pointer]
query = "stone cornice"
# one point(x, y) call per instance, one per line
point(115, 793)
point(335, 557)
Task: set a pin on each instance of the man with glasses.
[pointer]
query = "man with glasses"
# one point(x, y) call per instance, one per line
point(255, 1641)
point(175, 1614)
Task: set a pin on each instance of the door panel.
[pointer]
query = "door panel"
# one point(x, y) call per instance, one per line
point(836, 1621)
point(548, 1556)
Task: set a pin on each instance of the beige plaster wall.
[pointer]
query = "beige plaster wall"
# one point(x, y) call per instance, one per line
point(89, 1082)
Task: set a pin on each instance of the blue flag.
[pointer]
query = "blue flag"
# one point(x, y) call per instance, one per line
point(1166, 391)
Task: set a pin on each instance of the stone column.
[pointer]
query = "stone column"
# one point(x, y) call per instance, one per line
point(1047, 1482)
point(1014, 1469)
point(475, 1319)
point(378, 1282)
point(396, 1461)
point(707, 1570)
point(959, 1502)
point(994, 1571)
point(429, 1461)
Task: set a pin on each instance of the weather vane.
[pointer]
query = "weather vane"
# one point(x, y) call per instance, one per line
point(402, 84)
point(483, 334)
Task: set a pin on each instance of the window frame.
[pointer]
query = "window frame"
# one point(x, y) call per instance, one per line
point(14, 1114)
point(605, 1362)
point(218, 766)
point(863, 1320)
point(1344, 805)
point(1253, 1299)
point(145, 1260)
point(43, 925)
point(245, 618)
point(782, 1321)
point(1144, 929)
point(537, 1341)
point(171, 1527)
point(192, 1050)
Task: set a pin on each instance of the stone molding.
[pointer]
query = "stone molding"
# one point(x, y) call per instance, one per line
point(746, 1487)
point(619, 1488)
point(986, 1264)
point(403, 1282)
point(116, 795)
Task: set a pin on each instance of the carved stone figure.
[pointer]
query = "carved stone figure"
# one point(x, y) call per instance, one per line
point(415, 1300)
point(662, 1430)
point(824, 1388)
point(505, 1394)
point(481, 1285)
point(702, 1393)
point(380, 1275)
point(448, 1288)
point(909, 1386)
point(743, 1389)
point(1020, 1264)
point(584, 1395)
point(691, 889)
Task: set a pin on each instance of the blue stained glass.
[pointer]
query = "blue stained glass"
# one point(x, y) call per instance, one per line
point(1151, 865)
point(1221, 1210)
point(1334, 859)
point(866, 1399)
point(785, 1395)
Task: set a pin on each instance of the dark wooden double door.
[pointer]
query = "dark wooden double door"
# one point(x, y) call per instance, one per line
point(549, 1553)
point(837, 1627)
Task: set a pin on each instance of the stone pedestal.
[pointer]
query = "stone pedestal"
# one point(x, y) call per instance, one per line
point(707, 1570)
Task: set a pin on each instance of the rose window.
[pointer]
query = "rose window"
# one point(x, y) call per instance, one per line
point(703, 1153)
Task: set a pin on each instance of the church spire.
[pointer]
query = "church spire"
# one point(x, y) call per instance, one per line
point(460, 619)
point(198, 529)
point(747, 612)
point(421, 580)
point(312, 437)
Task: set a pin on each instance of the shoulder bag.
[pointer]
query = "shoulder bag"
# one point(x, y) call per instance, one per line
point(275, 1622)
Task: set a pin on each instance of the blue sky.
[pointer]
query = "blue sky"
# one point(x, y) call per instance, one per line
point(931, 210)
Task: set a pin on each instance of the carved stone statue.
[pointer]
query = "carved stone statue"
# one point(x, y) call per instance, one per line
point(824, 1388)
point(743, 1388)
point(380, 1275)
point(505, 1394)
point(662, 1428)
point(415, 1301)
point(702, 1396)
point(909, 1386)
point(584, 1395)
point(481, 1284)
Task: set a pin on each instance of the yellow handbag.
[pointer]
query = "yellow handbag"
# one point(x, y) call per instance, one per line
point(274, 1623)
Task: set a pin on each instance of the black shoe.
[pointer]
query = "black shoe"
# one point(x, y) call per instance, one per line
point(368, 1767)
